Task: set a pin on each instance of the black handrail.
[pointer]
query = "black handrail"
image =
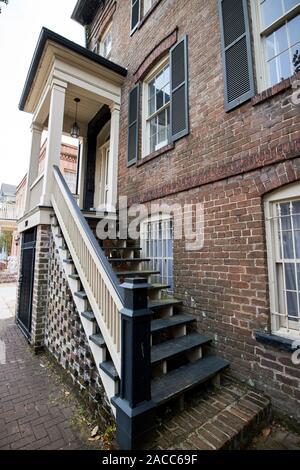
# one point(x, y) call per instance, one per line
point(98, 250)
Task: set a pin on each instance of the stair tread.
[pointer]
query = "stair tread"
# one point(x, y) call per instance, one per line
point(81, 294)
point(89, 315)
point(98, 339)
point(75, 277)
point(109, 368)
point(183, 379)
point(121, 248)
point(68, 261)
point(176, 346)
point(158, 286)
point(160, 303)
point(175, 320)
point(128, 260)
point(141, 273)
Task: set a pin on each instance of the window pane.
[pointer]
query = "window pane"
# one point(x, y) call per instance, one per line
point(294, 30)
point(292, 306)
point(297, 243)
point(288, 250)
point(273, 75)
point(271, 10)
point(290, 278)
point(284, 65)
point(281, 40)
point(288, 4)
point(159, 99)
point(270, 46)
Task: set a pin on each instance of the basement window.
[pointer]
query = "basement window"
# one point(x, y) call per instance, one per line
point(157, 245)
point(282, 210)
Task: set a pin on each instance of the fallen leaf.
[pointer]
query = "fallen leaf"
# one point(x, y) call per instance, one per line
point(95, 431)
point(67, 394)
point(266, 432)
point(42, 365)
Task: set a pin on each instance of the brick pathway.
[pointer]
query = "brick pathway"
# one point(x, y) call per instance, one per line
point(277, 437)
point(36, 410)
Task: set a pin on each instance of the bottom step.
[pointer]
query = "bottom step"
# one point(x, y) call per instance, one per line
point(183, 379)
point(226, 418)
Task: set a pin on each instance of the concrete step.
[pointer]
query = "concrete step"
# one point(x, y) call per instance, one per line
point(109, 368)
point(89, 315)
point(98, 340)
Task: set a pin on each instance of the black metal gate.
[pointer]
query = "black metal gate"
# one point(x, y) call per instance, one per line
point(26, 281)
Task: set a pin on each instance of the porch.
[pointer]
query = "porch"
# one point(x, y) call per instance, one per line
point(67, 82)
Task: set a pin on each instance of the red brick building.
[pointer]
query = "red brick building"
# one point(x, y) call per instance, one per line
point(207, 111)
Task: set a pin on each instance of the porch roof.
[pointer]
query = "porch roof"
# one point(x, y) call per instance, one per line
point(85, 10)
point(46, 36)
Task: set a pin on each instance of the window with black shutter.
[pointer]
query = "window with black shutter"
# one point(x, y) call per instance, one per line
point(179, 90)
point(133, 129)
point(236, 52)
point(135, 13)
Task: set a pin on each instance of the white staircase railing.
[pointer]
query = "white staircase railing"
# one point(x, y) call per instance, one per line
point(96, 275)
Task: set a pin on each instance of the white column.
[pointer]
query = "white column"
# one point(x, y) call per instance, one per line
point(36, 136)
point(81, 169)
point(113, 156)
point(55, 129)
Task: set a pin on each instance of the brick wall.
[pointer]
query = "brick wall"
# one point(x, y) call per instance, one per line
point(66, 340)
point(39, 300)
point(229, 161)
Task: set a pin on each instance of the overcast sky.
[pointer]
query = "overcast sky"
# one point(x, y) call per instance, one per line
point(20, 25)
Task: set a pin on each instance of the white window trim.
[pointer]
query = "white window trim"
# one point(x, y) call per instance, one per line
point(288, 193)
point(145, 141)
point(137, 25)
point(258, 33)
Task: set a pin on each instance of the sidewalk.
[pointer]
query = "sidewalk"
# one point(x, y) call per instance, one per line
point(8, 294)
point(37, 411)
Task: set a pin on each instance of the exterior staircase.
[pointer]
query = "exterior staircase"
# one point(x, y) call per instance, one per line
point(178, 356)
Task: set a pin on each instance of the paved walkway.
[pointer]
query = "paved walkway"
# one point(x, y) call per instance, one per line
point(8, 294)
point(36, 410)
point(276, 437)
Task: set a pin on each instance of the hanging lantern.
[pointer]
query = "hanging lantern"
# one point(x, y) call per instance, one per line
point(75, 129)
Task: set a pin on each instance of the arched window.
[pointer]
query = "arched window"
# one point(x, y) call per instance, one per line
point(157, 245)
point(282, 210)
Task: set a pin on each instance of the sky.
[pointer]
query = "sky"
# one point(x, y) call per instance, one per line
point(20, 24)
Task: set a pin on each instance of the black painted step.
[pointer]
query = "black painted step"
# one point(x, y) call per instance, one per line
point(75, 277)
point(89, 315)
point(98, 340)
point(121, 248)
point(136, 273)
point(157, 286)
point(161, 303)
point(68, 261)
point(63, 247)
point(172, 348)
point(175, 320)
point(128, 260)
point(81, 295)
point(186, 377)
point(109, 368)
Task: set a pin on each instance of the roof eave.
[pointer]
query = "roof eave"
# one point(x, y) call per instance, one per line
point(47, 35)
point(85, 10)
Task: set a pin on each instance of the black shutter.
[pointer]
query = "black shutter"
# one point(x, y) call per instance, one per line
point(133, 125)
point(236, 52)
point(135, 13)
point(179, 90)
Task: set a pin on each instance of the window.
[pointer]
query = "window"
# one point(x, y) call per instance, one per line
point(71, 179)
point(283, 243)
point(105, 45)
point(147, 4)
point(156, 109)
point(277, 26)
point(157, 244)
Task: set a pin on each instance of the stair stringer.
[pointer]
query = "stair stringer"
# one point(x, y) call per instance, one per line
point(111, 386)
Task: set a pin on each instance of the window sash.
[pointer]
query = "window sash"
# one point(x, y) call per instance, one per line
point(260, 35)
point(283, 269)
